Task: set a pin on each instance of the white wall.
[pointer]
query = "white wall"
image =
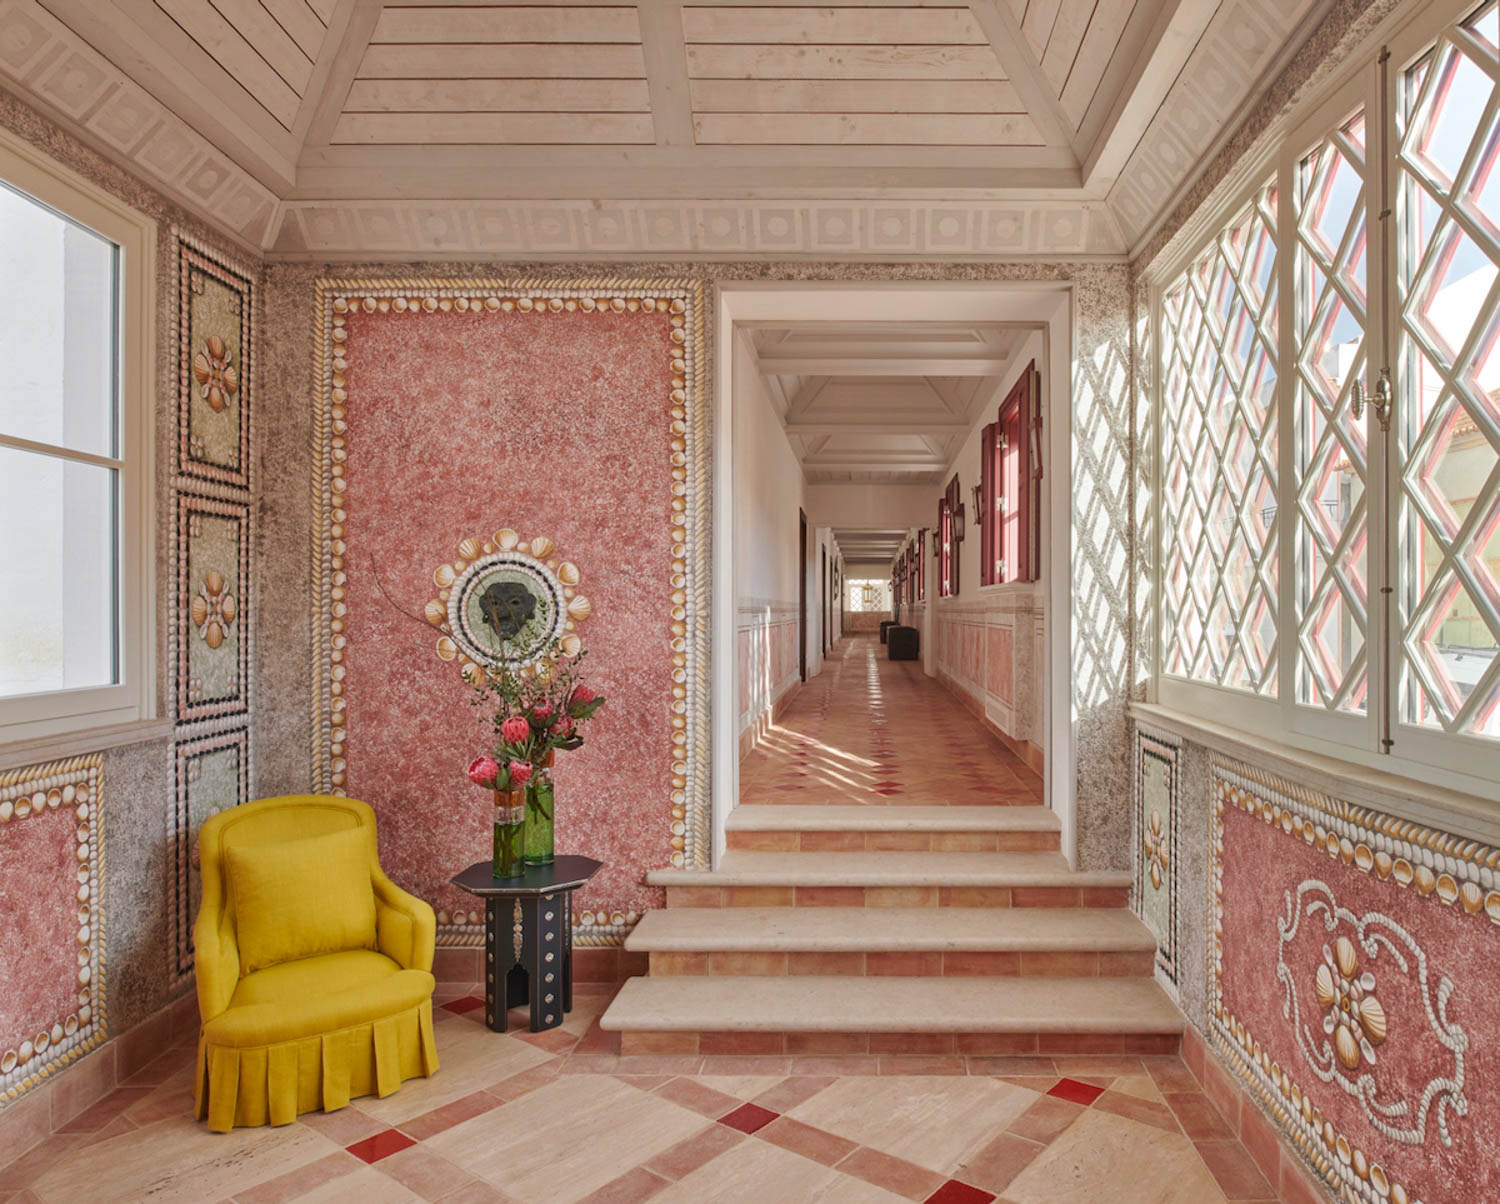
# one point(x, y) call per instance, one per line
point(768, 492)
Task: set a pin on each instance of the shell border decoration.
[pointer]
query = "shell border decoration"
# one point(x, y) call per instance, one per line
point(564, 575)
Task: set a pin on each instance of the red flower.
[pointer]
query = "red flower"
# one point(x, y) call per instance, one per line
point(581, 697)
point(519, 772)
point(542, 710)
point(563, 727)
point(483, 771)
point(515, 730)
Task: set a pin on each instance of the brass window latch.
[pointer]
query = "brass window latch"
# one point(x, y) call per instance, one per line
point(1380, 403)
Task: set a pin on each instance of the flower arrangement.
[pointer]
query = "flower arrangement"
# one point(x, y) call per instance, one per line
point(536, 710)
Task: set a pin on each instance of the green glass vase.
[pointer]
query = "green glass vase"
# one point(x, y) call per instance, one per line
point(539, 820)
point(510, 838)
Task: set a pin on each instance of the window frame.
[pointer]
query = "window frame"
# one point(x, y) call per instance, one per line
point(133, 698)
point(1455, 761)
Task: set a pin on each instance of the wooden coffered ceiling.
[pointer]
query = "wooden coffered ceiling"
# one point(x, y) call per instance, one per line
point(881, 401)
point(932, 128)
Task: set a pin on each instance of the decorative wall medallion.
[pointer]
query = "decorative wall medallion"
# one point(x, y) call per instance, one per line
point(506, 598)
point(213, 655)
point(1351, 961)
point(211, 773)
point(52, 1008)
point(1156, 790)
point(632, 354)
point(215, 334)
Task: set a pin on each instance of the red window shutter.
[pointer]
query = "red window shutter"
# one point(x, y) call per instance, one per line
point(1019, 474)
point(986, 516)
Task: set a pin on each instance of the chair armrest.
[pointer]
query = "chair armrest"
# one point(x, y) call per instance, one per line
point(406, 929)
point(216, 962)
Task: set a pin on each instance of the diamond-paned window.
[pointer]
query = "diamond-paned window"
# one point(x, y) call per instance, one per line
point(1448, 383)
point(1331, 456)
point(1219, 374)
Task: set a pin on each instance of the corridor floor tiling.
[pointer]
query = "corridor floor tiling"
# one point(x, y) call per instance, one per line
point(559, 1117)
point(868, 730)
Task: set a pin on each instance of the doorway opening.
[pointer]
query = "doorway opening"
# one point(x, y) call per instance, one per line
point(884, 433)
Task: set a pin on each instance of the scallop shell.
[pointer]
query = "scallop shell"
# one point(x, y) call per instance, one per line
point(1372, 1016)
point(506, 539)
point(213, 636)
point(443, 576)
point(229, 608)
point(1324, 988)
point(1470, 897)
point(580, 607)
point(213, 581)
point(1447, 888)
point(469, 548)
point(472, 673)
point(216, 346)
point(1426, 880)
point(1401, 871)
point(1383, 863)
point(435, 613)
point(1346, 956)
point(1346, 1046)
point(571, 645)
point(1379, 1180)
point(200, 610)
point(1492, 905)
point(1398, 1194)
point(567, 573)
point(446, 648)
point(540, 546)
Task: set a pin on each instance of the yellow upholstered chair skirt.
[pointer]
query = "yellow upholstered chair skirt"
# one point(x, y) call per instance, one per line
point(313, 1031)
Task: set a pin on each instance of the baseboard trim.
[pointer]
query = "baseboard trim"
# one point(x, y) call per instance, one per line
point(1032, 755)
point(760, 727)
point(71, 1091)
point(1282, 1166)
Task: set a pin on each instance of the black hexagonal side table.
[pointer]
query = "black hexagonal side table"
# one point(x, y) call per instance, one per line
point(528, 938)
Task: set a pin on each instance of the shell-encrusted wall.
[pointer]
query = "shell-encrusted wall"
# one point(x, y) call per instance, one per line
point(1352, 987)
point(213, 604)
point(52, 1007)
point(468, 416)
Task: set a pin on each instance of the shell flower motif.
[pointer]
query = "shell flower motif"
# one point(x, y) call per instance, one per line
point(1352, 1016)
point(214, 609)
point(1154, 850)
point(218, 379)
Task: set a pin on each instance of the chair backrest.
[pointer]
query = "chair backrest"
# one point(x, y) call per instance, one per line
point(270, 821)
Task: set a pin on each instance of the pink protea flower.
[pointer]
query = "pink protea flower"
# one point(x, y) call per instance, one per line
point(542, 710)
point(515, 730)
point(563, 727)
point(520, 771)
point(484, 770)
point(581, 697)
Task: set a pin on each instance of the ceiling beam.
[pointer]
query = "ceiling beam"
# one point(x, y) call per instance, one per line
point(805, 396)
point(800, 364)
point(338, 76)
point(666, 72)
point(1009, 44)
point(1153, 62)
point(921, 429)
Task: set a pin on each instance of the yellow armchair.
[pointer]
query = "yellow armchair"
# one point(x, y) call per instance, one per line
point(304, 1003)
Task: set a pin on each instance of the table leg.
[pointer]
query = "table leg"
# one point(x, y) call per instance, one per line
point(567, 966)
point(545, 919)
point(495, 964)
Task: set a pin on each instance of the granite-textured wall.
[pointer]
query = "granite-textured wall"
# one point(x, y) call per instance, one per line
point(132, 814)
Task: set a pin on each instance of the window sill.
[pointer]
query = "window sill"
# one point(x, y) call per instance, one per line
point(1468, 815)
point(78, 743)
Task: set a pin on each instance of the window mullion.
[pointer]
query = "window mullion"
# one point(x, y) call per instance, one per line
point(1383, 476)
point(61, 453)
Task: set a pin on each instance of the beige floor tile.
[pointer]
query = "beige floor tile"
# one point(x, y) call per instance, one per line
point(367, 1186)
point(471, 1058)
point(1104, 1157)
point(1142, 1086)
point(741, 1086)
point(179, 1159)
point(566, 1139)
point(932, 1121)
point(756, 1172)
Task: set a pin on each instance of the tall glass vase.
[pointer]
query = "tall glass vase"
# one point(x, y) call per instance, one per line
point(510, 829)
point(539, 809)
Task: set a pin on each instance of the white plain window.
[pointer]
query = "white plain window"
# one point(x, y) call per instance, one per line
point(75, 452)
point(1329, 570)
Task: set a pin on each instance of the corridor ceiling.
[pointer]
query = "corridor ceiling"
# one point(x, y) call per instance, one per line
point(886, 402)
point(876, 128)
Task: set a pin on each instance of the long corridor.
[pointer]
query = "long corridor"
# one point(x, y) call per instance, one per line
point(876, 732)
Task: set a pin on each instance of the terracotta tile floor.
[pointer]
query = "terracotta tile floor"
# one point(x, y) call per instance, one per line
point(875, 731)
point(558, 1117)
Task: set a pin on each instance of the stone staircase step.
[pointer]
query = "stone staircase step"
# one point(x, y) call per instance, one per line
point(892, 879)
point(835, 1014)
point(830, 829)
